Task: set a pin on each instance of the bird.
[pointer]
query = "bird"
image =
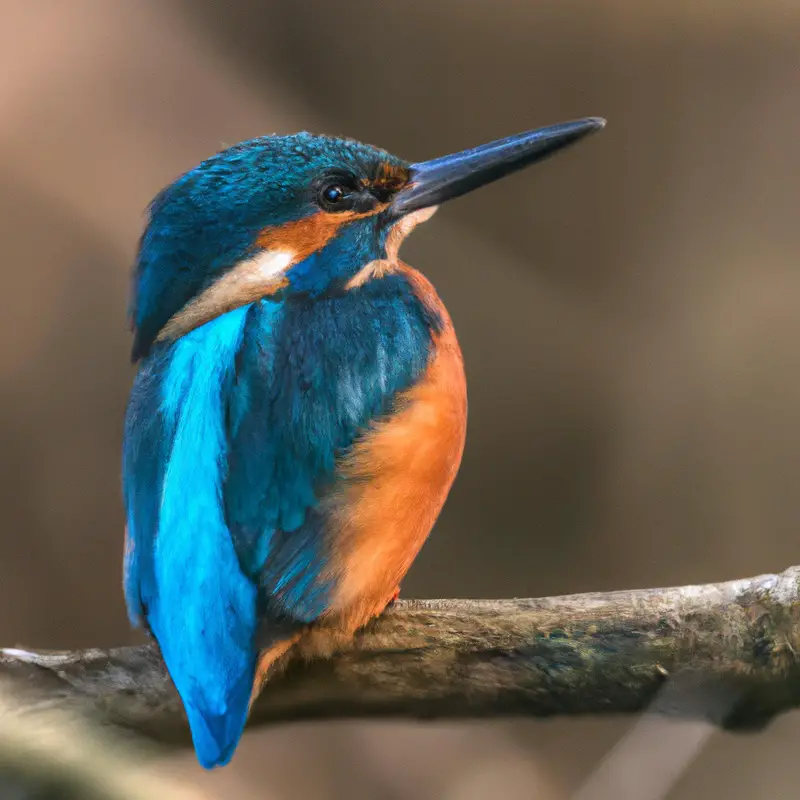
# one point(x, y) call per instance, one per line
point(299, 410)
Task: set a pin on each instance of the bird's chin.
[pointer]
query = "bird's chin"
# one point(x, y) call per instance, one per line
point(404, 225)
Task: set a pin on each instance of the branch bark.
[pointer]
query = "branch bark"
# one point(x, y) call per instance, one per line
point(734, 646)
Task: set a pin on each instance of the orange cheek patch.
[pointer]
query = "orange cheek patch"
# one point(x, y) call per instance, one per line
point(305, 236)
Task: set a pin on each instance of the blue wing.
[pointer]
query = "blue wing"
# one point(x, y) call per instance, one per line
point(232, 436)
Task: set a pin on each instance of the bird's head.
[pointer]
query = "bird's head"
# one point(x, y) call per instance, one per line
point(299, 214)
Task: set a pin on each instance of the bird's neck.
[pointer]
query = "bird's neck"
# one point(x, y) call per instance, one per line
point(330, 268)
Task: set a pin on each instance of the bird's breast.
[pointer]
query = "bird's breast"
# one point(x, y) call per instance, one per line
point(396, 478)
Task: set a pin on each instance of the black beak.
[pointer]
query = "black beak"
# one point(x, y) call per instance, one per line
point(433, 182)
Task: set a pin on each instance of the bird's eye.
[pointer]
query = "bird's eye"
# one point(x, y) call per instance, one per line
point(336, 195)
point(333, 194)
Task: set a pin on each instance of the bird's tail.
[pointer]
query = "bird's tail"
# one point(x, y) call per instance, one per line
point(214, 678)
point(206, 631)
point(216, 732)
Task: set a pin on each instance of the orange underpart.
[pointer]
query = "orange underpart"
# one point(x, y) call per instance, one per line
point(267, 660)
point(395, 480)
point(392, 486)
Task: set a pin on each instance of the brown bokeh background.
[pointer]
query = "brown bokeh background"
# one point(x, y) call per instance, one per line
point(629, 314)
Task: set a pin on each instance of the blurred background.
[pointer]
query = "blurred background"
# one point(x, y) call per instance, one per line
point(629, 314)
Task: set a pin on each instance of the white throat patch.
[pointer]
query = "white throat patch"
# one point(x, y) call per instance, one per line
point(396, 237)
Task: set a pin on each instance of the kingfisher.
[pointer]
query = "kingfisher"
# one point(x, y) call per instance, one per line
point(299, 411)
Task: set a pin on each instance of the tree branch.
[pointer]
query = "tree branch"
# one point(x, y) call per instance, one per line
point(735, 646)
